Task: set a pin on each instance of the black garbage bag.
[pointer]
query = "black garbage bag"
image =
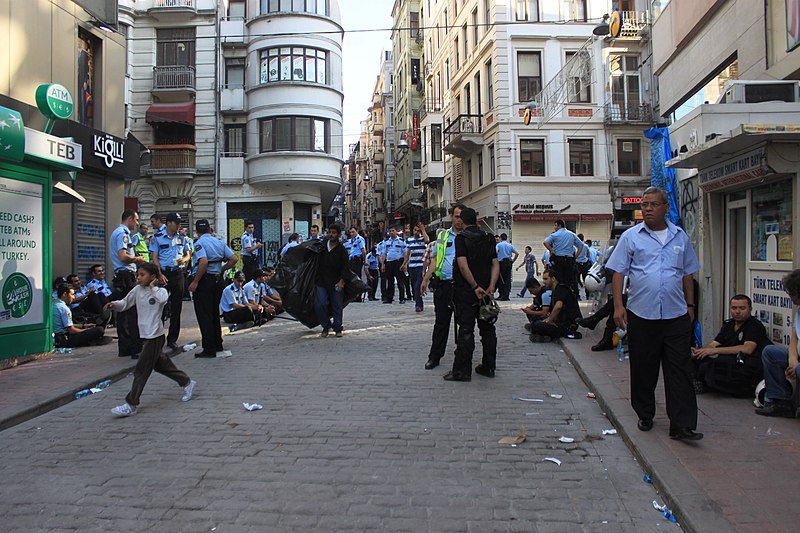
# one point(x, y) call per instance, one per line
point(294, 280)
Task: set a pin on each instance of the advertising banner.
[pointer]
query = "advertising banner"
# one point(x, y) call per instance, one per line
point(771, 305)
point(22, 281)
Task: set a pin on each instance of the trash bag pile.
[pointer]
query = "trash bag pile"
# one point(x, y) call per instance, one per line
point(294, 280)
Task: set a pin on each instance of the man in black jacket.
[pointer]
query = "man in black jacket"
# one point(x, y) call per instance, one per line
point(333, 272)
point(475, 278)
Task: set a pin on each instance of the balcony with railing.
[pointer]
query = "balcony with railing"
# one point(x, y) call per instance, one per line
point(620, 113)
point(173, 161)
point(463, 137)
point(231, 168)
point(634, 24)
point(231, 99)
point(174, 79)
point(172, 10)
point(231, 30)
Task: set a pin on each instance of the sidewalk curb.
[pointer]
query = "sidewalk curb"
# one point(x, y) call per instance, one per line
point(697, 512)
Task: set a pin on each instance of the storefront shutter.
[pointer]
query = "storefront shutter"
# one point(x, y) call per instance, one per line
point(89, 224)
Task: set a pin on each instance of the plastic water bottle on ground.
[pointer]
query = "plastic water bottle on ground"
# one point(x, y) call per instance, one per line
point(104, 384)
point(620, 347)
point(63, 350)
point(82, 394)
point(189, 347)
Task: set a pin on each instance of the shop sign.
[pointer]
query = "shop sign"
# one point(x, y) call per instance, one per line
point(525, 217)
point(12, 135)
point(21, 257)
point(537, 209)
point(580, 113)
point(631, 200)
point(53, 150)
point(771, 305)
point(749, 166)
point(54, 101)
point(109, 149)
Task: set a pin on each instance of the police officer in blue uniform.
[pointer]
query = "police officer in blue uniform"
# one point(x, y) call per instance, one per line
point(124, 261)
point(373, 267)
point(394, 265)
point(564, 246)
point(356, 248)
point(214, 257)
point(170, 252)
point(251, 250)
point(506, 254)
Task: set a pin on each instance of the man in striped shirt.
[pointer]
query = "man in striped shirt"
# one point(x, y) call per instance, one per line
point(415, 252)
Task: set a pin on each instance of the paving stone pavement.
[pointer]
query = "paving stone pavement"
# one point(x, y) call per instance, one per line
point(354, 436)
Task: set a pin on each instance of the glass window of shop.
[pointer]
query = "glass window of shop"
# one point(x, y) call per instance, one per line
point(771, 222)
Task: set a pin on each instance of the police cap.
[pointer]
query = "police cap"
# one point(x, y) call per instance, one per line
point(202, 225)
point(173, 217)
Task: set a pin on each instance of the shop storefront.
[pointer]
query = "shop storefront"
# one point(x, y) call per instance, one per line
point(748, 185)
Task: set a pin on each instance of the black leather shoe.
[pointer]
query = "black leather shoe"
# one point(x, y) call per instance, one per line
point(645, 424)
point(780, 408)
point(205, 355)
point(588, 323)
point(431, 364)
point(452, 376)
point(684, 434)
point(603, 345)
point(488, 372)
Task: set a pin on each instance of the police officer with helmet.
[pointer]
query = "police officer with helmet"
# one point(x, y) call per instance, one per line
point(124, 260)
point(213, 257)
point(170, 252)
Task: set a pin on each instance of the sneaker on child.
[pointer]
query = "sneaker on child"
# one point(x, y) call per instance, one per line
point(188, 390)
point(124, 410)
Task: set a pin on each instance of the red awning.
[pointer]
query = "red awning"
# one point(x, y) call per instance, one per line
point(179, 113)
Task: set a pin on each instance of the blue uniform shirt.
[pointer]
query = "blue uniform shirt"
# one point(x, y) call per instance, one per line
point(593, 253)
point(546, 257)
point(248, 241)
point(62, 316)
point(214, 250)
point(290, 244)
point(394, 249)
point(655, 270)
point(547, 296)
point(169, 249)
point(231, 295)
point(449, 254)
point(100, 287)
point(562, 242)
point(253, 292)
point(354, 246)
point(372, 262)
point(381, 247)
point(121, 240)
point(505, 250)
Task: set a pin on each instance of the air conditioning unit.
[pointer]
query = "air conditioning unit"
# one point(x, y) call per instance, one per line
point(756, 92)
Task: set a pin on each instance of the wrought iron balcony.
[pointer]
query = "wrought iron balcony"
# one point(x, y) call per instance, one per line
point(463, 137)
point(172, 10)
point(177, 159)
point(618, 113)
point(634, 23)
point(174, 78)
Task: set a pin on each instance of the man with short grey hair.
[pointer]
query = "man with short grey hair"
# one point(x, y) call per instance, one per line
point(660, 262)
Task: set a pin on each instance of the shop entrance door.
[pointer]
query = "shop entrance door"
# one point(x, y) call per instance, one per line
point(266, 218)
point(737, 252)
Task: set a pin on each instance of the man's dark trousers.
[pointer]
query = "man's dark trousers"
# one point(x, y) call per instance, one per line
point(385, 282)
point(127, 321)
point(175, 286)
point(206, 307)
point(374, 274)
point(249, 267)
point(443, 310)
point(668, 343)
point(415, 273)
point(466, 307)
point(540, 327)
point(505, 273)
point(393, 273)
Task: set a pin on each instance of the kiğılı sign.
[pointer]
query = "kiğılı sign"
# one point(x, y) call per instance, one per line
point(21, 260)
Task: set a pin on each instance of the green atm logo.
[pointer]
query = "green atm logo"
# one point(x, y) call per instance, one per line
point(54, 101)
point(17, 295)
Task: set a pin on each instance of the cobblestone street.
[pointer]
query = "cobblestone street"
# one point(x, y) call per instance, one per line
point(354, 435)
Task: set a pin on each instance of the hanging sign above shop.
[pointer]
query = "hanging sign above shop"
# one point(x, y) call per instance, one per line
point(54, 151)
point(742, 168)
point(538, 209)
point(54, 101)
point(12, 135)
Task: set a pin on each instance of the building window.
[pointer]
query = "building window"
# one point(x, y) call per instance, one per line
point(475, 26)
point(529, 75)
point(294, 64)
point(436, 142)
point(413, 24)
point(458, 53)
point(235, 135)
point(489, 85)
point(236, 9)
point(531, 157)
point(447, 74)
point(468, 165)
point(771, 211)
point(234, 72)
point(629, 161)
point(303, 134)
point(465, 42)
point(319, 7)
point(625, 95)
point(488, 14)
point(492, 171)
point(575, 10)
point(87, 68)
point(480, 170)
point(175, 47)
point(579, 73)
point(527, 10)
point(581, 157)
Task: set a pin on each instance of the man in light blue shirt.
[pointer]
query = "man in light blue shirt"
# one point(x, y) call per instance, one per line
point(506, 254)
point(373, 267)
point(294, 240)
point(235, 308)
point(564, 246)
point(660, 262)
point(393, 265)
point(251, 249)
point(124, 260)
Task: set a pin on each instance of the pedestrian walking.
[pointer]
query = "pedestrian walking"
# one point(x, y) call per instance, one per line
point(394, 266)
point(251, 250)
point(332, 274)
point(476, 273)
point(356, 248)
point(564, 246)
point(439, 276)
point(150, 300)
point(506, 255)
point(124, 261)
point(531, 269)
point(659, 259)
point(171, 254)
point(214, 257)
point(415, 250)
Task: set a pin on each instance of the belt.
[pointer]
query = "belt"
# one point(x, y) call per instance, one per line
point(171, 269)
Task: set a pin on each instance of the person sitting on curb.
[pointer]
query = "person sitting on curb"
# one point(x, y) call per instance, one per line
point(67, 334)
point(254, 291)
point(731, 363)
point(780, 363)
point(235, 308)
point(563, 312)
point(540, 307)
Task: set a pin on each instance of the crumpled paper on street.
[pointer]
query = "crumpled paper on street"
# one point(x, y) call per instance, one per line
point(609, 432)
point(553, 460)
point(252, 406)
point(566, 439)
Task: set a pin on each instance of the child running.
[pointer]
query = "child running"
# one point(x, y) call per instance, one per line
point(149, 300)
